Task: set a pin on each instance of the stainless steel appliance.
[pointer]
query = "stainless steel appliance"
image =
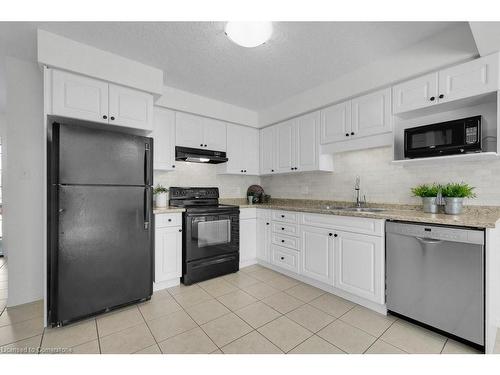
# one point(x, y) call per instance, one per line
point(197, 155)
point(451, 137)
point(100, 229)
point(435, 276)
point(210, 242)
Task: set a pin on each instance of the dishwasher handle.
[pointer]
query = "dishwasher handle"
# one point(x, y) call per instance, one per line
point(428, 241)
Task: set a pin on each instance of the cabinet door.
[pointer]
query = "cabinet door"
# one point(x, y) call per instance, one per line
point(263, 238)
point(188, 130)
point(168, 253)
point(359, 265)
point(251, 150)
point(371, 114)
point(130, 108)
point(268, 150)
point(285, 141)
point(306, 155)
point(472, 78)
point(235, 149)
point(164, 139)
point(214, 134)
point(336, 123)
point(248, 240)
point(317, 254)
point(79, 97)
point(417, 93)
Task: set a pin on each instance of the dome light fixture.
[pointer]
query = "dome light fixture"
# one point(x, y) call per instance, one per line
point(249, 34)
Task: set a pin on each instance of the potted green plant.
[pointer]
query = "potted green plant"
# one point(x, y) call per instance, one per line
point(454, 194)
point(161, 193)
point(428, 193)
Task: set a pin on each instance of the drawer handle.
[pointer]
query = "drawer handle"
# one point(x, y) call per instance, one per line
point(180, 230)
point(169, 220)
point(335, 235)
point(330, 234)
point(282, 215)
point(282, 258)
point(267, 223)
point(282, 228)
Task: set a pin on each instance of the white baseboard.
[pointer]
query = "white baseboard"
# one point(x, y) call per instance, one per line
point(248, 263)
point(166, 284)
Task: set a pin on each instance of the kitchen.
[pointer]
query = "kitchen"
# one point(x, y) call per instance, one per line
point(286, 221)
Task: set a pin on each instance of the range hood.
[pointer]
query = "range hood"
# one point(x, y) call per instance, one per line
point(197, 155)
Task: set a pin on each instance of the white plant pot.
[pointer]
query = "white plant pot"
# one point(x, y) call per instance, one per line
point(161, 200)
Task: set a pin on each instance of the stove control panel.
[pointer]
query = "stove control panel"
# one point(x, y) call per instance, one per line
point(194, 193)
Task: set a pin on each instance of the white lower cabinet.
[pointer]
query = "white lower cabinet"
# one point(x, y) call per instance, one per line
point(359, 265)
point(285, 258)
point(317, 254)
point(168, 249)
point(263, 250)
point(248, 236)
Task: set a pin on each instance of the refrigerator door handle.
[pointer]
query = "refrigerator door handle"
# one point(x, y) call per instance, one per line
point(147, 159)
point(147, 208)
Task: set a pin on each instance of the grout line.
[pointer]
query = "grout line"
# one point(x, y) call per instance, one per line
point(446, 341)
point(200, 327)
point(98, 338)
point(149, 329)
point(41, 340)
point(379, 337)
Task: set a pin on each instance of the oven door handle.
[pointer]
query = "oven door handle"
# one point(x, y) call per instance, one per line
point(211, 213)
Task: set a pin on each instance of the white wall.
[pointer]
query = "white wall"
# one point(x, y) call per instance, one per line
point(23, 181)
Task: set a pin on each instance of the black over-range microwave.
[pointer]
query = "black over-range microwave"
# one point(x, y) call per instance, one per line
point(444, 138)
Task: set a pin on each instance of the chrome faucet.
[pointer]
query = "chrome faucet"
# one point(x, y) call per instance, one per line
point(357, 188)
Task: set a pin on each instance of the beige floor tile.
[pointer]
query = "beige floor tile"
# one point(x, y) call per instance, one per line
point(264, 274)
point(207, 311)
point(257, 314)
point(260, 290)
point(91, 347)
point(253, 343)
point(381, 347)
point(217, 351)
point(310, 318)
point(118, 321)
point(367, 320)
point(225, 329)
point(170, 325)
point(282, 282)
point(20, 331)
point(26, 346)
point(237, 300)
point(240, 279)
point(304, 292)
point(252, 268)
point(332, 305)
point(282, 302)
point(153, 349)
point(348, 338)
point(218, 287)
point(70, 335)
point(161, 294)
point(455, 347)
point(158, 307)
point(21, 313)
point(194, 341)
point(127, 341)
point(413, 339)
point(315, 345)
point(284, 333)
point(181, 288)
point(193, 297)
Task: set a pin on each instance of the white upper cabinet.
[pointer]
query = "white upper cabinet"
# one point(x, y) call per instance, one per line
point(469, 79)
point(417, 93)
point(164, 139)
point(242, 151)
point(371, 114)
point(335, 122)
point(285, 142)
point(200, 132)
point(79, 97)
point(130, 108)
point(268, 150)
point(462, 81)
point(306, 148)
point(98, 101)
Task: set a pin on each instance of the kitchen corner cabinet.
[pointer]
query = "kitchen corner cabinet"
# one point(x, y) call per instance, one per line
point(199, 132)
point(268, 150)
point(94, 100)
point(168, 248)
point(248, 236)
point(242, 151)
point(164, 139)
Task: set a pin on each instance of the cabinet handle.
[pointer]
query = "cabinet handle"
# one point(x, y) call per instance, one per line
point(201, 144)
point(180, 230)
point(335, 235)
point(104, 117)
point(330, 234)
point(205, 145)
point(441, 96)
point(352, 133)
point(291, 168)
point(173, 166)
point(169, 220)
point(282, 215)
point(245, 170)
point(432, 98)
point(272, 170)
point(347, 134)
point(283, 241)
point(241, 170)
point(282, 228)
point(282, 258)
point(112, 118)
point(267, 223)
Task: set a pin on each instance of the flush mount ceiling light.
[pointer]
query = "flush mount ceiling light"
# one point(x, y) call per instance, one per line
point(249, 34)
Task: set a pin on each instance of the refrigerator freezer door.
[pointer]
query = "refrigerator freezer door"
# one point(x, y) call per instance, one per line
point(102, 157)
point(105, 253)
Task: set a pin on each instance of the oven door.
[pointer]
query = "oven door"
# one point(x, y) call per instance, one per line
point(210, 234)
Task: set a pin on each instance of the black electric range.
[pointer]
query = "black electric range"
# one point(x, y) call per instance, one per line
point(211, 238)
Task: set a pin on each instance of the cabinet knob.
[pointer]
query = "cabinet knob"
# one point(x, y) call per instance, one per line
point(267, 223)
point(272, 170)
point(104, 117)
point(432, 98)
point(352, 133)
point(180, 230)
point(282, 240)
point(169, 220)
point(282, 228)
point(112, 118)
point(347, 134)
point(330, 234)
point(245, 170)
point(205, 145)
point(282, 258)
point(241, 170)
point(291, 169)
point(441, 96)
point(335, 235)
point(201, 144)
point(282, 215)
point(173, 166)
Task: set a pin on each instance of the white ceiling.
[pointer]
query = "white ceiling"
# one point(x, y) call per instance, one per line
point(198, 57)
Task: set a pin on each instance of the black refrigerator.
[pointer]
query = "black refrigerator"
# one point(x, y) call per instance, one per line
point(100, 220)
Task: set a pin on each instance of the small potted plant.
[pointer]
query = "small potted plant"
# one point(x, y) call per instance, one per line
point(161, 194)
point(454, 194)
point(428, 193)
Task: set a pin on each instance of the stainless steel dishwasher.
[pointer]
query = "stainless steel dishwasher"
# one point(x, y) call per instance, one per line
point(435, 275)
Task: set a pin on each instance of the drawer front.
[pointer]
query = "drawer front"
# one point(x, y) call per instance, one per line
point(168, 220)
point(248, 213)
point(287, 241)
point(363, 225)
point(286, 216)
point(285, 258)
point(289, 229)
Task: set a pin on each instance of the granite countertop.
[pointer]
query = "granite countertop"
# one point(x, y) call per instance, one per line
point(473, 216)
point(167, 210)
